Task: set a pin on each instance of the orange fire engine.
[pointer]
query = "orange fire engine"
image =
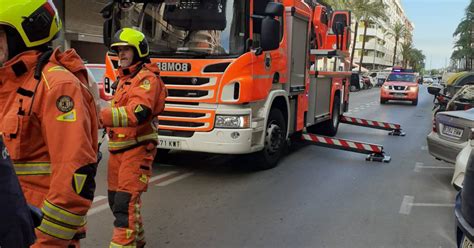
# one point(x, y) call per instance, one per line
point(243, 76)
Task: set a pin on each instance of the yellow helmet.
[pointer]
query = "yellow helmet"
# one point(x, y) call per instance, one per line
point(133, 38)
point(37, 21)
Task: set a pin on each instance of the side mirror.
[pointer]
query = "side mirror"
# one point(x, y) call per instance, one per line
point(270, 38)
point(434, 90)
point(107, 32)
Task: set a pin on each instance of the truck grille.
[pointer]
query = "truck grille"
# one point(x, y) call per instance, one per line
point(192, 89)
point(396, 87)
point(186, 119)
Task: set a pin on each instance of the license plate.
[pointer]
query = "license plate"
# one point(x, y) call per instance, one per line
point(399, 95)
point(169, 143)
point(452, 131)
point(466, 243)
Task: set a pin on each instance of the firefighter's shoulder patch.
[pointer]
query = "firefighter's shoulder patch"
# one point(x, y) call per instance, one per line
point(65, 104)
point(68, 117)
point(145, 84)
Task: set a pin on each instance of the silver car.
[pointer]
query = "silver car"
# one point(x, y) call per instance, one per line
point(452, 131)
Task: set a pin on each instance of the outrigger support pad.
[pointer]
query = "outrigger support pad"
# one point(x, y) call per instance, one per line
point(379, 157)
point(397, 132)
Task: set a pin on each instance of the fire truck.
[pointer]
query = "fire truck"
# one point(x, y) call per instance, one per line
point(243, 76)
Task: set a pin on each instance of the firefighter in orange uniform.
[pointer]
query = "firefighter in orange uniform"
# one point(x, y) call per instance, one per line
point(49, 121)
point(139, 97)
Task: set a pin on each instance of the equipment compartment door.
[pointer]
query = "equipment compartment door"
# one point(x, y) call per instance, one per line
point(299, 51)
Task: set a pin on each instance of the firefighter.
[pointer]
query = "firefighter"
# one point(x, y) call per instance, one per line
point(139, 97)
point(48, 119)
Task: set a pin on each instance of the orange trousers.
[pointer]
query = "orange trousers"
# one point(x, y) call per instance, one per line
point(128, 175)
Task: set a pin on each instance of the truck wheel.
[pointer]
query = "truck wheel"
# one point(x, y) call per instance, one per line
point(161, 155)
point(275, 142)
point(329, 127)
point(415, 102)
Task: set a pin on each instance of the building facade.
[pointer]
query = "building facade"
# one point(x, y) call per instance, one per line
point(82, 28)
point(379, 46)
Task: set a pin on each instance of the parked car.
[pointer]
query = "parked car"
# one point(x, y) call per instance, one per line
point(427, 80)
point(356, 82)
point(379, 77)
point(367, 83)
point(400, 86)
point(460, 166)
point(452, 131)
point(464, 209)
point(97, 71)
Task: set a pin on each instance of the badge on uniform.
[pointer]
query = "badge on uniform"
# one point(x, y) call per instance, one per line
point(146, 84)
point(68, 117)
point(65, 104)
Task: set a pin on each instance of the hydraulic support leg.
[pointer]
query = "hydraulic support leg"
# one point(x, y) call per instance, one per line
point(395, 129)
point(375, 152)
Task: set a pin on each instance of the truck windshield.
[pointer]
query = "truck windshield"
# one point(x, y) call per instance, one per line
point(409, 78)
point(196, 28)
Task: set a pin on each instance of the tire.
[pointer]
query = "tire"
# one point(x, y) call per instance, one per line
point(329, 127)
point(383, 101)
point(274, 144)
point(161, 155)
point(415, 102)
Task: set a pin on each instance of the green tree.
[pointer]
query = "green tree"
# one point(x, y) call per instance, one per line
point(464, 40)
point(397, 31)
point(417, 59)
point(407, 47)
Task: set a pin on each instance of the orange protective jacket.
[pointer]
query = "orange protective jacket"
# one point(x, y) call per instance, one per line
point(139, 98)
point(50, 126)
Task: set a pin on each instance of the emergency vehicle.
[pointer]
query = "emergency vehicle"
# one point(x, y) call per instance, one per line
point(243, 76)
point(401, 85)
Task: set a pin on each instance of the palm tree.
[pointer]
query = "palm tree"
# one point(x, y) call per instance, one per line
point(371, 12)
point(406, 52)
point(397, 31)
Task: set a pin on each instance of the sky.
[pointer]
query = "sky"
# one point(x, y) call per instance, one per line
point(435, 22)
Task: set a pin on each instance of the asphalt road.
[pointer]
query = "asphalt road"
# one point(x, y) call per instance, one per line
point(316, 197)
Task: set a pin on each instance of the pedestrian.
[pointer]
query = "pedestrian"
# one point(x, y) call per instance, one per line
point(139, 97)
point(48, 119)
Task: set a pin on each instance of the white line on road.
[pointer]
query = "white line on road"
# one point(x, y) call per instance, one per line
point(407, 202)
point(98, 209)
point(156, 178)
point(432, 205)
point(99, 198)
point(168, 182)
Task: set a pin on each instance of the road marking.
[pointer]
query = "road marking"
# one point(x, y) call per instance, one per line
point(168, 182)
point(98, 209)
point(161, 180)
point(167, 174)
point(99, 198)
point(408, 204)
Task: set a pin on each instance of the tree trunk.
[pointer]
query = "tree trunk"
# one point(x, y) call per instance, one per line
point(363, 46)
point(356, 29)
point(395, 52)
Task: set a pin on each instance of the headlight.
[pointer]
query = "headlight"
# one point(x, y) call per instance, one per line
point(412, 88)
point(232, 121)
point(386, 87)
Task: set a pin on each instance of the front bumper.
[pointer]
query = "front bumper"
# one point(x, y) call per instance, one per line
point(387, 94)
point(463, 228)
point(442, 149)
point(222, 141)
